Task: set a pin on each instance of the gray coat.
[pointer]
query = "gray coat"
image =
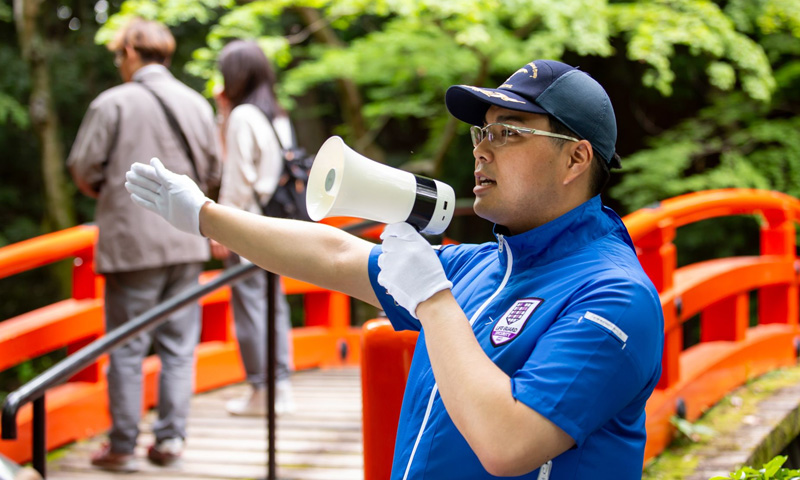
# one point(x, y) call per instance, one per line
point(126, 124)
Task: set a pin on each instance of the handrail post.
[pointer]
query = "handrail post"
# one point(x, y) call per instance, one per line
point(727, 319)
point(84, 286)
point(272, 284)
point(778, 303)
point(330, 310)
point(40, 436)
point(659, 259)
point(658, 255)
point(84, 279)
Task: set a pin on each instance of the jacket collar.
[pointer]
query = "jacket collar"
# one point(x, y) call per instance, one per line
point(151, 71)
point(564, 235)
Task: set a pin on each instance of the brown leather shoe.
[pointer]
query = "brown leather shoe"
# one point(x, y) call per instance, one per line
point(114, 462)
point(166, 452)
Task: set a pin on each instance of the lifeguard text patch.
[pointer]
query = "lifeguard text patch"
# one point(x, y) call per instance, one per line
point(512, 322)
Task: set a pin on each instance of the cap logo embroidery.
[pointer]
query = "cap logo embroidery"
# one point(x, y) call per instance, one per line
point(522, 70)
point(510, 325)
point(535, 69)
point(489, 93)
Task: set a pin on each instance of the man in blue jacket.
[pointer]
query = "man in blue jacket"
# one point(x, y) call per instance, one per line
point(536, 352)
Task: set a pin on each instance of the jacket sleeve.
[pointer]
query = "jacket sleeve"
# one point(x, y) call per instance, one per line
point(92, 147)
point(239, 171)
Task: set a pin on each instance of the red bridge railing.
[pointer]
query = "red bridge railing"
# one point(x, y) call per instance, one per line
point(78, 408)
point(730, 350)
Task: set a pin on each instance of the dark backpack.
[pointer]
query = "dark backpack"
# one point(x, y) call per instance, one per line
point(289, 198)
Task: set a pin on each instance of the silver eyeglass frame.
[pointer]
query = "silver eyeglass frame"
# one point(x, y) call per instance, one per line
point(478, 134)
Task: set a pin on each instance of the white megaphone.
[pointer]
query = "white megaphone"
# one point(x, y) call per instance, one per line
point(344, 183)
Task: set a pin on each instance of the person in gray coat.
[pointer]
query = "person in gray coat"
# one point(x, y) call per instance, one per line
point(143, 259)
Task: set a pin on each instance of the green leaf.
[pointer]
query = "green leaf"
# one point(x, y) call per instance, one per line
point(6, 14)
point(12, 111)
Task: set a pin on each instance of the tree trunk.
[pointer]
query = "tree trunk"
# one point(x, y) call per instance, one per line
point(59, 210)
point(351, 101)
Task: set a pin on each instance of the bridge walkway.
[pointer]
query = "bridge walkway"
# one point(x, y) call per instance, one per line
point(321, 440)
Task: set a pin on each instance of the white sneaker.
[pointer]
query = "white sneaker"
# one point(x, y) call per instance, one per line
point(284, 400)
point(254, 404)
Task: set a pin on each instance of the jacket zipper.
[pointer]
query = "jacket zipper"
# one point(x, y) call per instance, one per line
point(501, 241)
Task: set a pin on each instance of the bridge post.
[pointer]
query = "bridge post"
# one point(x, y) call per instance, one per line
point(659, 259)
point(84, 286)
point(778, 303)
point(727, 319)
point(84, 280)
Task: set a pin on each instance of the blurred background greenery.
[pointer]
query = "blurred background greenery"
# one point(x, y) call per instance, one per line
point(706, 95)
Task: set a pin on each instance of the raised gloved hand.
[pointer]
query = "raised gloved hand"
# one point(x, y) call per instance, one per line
point(410, 269)
point(175, 197)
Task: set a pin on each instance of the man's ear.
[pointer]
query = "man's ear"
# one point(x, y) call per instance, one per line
point(579, 161)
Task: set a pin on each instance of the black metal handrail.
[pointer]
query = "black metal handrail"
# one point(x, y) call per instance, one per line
point(86, 356)
point(34, 390)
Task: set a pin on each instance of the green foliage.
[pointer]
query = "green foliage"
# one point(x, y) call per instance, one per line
point(730, 144)
point(770, 471)
point(654, 29)
point(15, 377)
point(403, 54)
point(170, 12)
point(692, 431)
point(734, 142)
point(12, 112)
point(6, 14)
point(12, 78)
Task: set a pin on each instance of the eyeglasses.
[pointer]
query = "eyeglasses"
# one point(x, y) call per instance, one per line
point(118, 56)
point(499, 133)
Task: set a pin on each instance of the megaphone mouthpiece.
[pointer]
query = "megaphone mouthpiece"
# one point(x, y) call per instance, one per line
point(343, 182)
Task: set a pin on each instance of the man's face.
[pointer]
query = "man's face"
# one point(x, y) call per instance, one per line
point(519, 184)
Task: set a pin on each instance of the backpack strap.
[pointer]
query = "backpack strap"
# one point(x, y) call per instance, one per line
point(284, 170)
point(176, 128)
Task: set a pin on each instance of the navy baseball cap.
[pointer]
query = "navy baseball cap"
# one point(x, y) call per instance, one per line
point(550, 88)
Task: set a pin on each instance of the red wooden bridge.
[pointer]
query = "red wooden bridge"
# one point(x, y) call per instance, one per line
point(732, 348)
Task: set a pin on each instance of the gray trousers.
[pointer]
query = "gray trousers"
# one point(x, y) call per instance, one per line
point(127, 295)
point(249, 300)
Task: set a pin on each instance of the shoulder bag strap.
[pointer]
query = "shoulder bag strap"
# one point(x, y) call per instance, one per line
point(277, 137)
point(175, 127)
point(284, 169)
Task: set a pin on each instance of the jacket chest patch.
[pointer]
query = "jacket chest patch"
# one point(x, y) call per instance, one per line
point(510, 325)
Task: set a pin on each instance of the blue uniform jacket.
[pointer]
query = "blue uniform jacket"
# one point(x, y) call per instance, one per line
point(568, 313)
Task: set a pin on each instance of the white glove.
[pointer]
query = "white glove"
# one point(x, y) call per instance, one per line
point(410, 269)
point(175, 197)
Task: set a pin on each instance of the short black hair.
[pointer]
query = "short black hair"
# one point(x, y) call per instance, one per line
point(599, 170)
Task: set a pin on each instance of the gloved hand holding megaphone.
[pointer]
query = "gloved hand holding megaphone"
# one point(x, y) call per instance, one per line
point(345, 183)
